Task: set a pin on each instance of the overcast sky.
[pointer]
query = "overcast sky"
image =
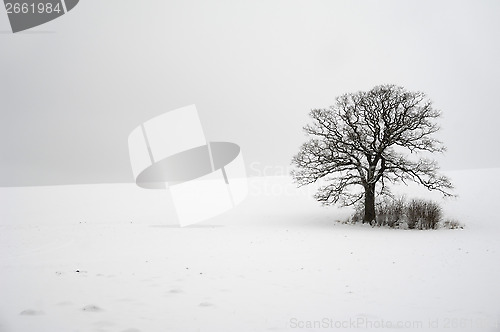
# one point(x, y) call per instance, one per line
point(73, 89)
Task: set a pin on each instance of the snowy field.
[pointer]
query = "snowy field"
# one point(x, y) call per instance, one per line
point(112, 258)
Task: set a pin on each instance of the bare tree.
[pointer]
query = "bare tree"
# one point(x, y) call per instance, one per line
point(363, 141)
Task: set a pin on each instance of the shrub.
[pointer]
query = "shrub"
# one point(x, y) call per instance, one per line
point(452, 224)
point(423, 214)
point(390, 212)
point(399, 213)
point(359, 211)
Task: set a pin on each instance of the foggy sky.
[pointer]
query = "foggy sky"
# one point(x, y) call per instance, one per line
point(73, 89)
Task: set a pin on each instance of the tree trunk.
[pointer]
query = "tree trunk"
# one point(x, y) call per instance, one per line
point(369, 204)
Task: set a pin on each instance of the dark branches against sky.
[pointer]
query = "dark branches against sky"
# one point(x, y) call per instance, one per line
point(365, 139)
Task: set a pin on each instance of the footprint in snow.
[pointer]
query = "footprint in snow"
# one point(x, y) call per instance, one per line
point(175, 291)
point(31, 312)
point(206, 304)
point(91, 308)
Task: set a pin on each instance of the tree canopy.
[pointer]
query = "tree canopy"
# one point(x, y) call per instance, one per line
point(365, 139)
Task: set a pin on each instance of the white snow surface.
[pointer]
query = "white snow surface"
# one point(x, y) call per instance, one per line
point(111, 257)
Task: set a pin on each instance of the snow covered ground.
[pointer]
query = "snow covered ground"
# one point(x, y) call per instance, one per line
point(112, 258)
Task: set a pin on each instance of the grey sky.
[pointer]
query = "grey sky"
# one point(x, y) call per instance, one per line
point(73, 89)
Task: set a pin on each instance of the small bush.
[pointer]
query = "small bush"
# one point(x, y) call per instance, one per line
point(400, 213)
point(390, 212)
point(452, 224)
point(423, 214)
point(359, 211)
